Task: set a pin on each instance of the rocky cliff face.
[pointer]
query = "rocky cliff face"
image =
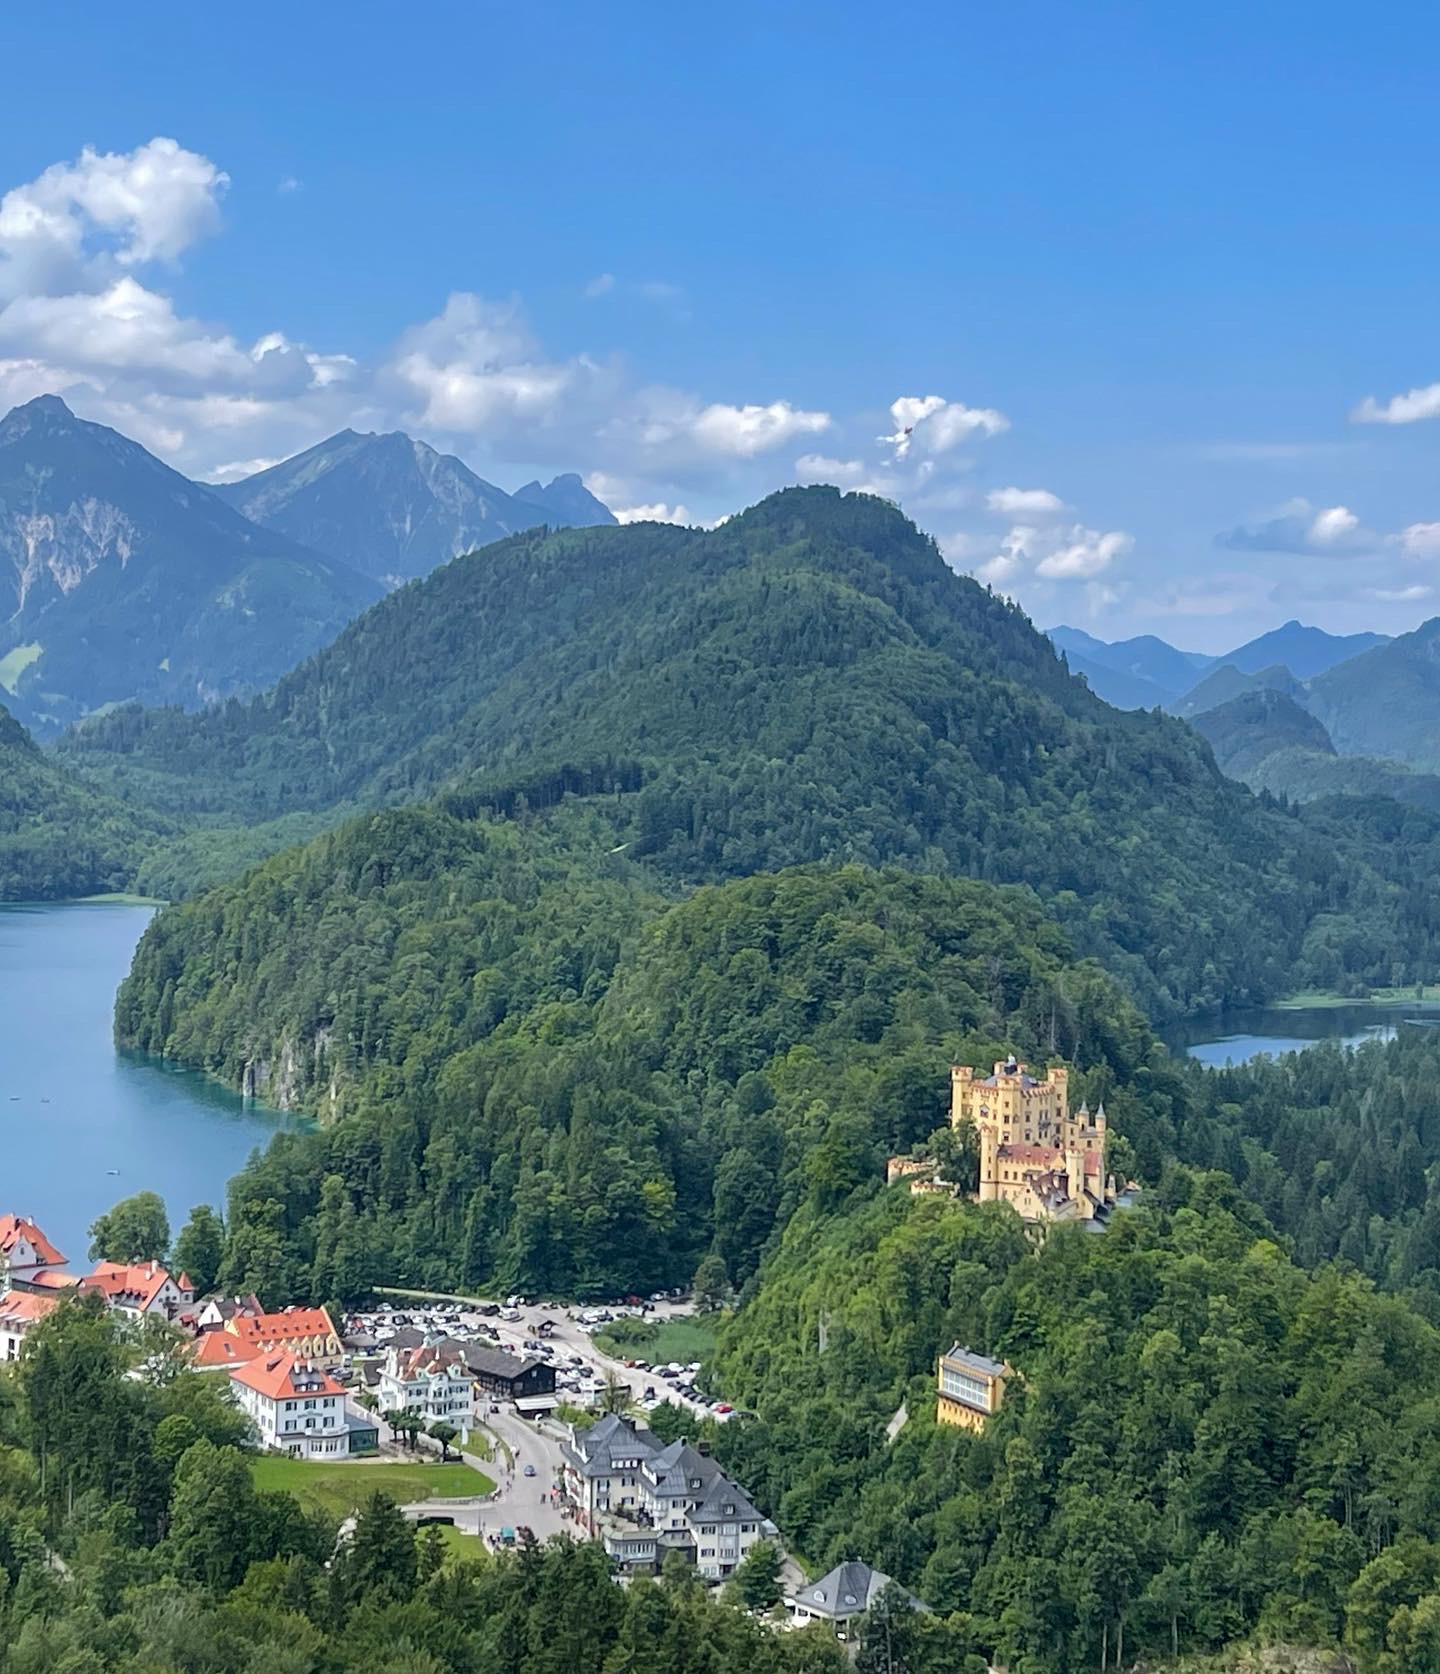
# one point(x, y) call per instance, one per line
point(120, 579)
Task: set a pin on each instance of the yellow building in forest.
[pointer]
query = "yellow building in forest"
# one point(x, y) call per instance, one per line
point(1033, 1153)
point(971, 1388)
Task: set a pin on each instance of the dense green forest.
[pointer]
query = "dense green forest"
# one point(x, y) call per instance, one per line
point(551, 1079)
point(1200, 1440)
point(58, 838)
point(808, 682)
point(133, 1541)
point(1338, 1148)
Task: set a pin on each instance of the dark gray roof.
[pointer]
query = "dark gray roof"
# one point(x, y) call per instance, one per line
point(848, 1590)
point(724, 1501)
point(495, 1363)
point(612, 1438)
point(980, 1362)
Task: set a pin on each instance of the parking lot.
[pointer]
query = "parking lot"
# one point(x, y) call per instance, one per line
point(562, 1336)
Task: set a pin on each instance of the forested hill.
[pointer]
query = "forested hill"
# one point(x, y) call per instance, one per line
point(58, 838)
point(551, 1080)
point(807, 682)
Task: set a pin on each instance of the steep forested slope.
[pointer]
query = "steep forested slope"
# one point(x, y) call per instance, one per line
point(808, 682)
point(57, 837)
point(552, 1079)
point(1199, 1439)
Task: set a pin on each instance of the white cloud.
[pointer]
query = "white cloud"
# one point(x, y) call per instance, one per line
point(657, 513)
point(1420, 540)
point(1410, 408)
point(289, 184)
point(743, 432)
point(929, 424)
point(1400, 595)
point(1333, 526)
point(236, 469)
point(854, 474)
point(601, 285)
point(77, 222)
point(1073, 553)
point(1299, 527)
point(1085, 553)
point(1024, 502)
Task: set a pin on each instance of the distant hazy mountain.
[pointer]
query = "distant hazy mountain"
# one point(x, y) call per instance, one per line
point(1157, 666)
point(1227, 682)
point(1306, 652)
point(1131, 672)
point(120, 579)
point(1267, 740)
point(1117, 687)
point(1386, 702)
point(395, 508)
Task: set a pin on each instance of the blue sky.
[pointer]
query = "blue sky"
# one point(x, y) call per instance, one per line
point(1151, 263)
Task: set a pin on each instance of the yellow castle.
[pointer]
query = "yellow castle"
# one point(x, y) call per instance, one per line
point(1033, 1153)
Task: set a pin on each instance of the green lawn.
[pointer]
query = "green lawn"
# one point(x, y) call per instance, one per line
point(684, 1340)
point(341, 1488)
point(1315, 999)
point(459, 1548)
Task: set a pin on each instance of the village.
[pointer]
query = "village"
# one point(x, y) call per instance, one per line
point(546, 1422)
point(517, 1390)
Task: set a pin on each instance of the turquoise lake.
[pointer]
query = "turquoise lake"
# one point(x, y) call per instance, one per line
point(83, 1124)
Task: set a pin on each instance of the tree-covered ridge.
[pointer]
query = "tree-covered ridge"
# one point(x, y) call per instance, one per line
point(1200, 1440)
point(550, 1078)
point(808, 682)
point(1338, 1148)
point(59, 838)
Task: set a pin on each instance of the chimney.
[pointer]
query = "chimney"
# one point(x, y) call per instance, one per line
point(703, 1449)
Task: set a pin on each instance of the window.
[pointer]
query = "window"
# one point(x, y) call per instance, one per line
point(974, 1392)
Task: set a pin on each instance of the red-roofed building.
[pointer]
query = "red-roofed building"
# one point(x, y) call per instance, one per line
point(218, 1351)
point(19, 1311)
point(307, 1332)
point(140, 1287)
point(25, 1253)
point(297, 1407)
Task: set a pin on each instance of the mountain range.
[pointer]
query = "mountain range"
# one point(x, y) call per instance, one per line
point(1146, 672)
point(808, 682)
point(394, 508)
point(122, 581)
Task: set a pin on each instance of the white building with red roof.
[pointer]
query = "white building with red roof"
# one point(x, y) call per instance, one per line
point(297, 1407)
point(28, 1260)
point(433, 1379)
point(140, 1287)
point(20, 1312)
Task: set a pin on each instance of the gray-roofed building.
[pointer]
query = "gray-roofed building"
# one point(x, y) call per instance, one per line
point(646, 1498)
point(849, 1590)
